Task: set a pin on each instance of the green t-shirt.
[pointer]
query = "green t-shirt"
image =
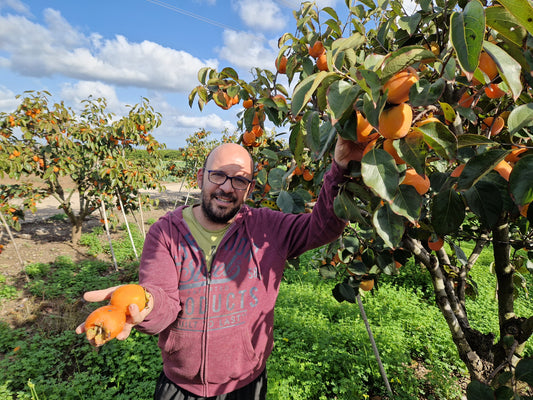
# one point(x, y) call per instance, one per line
point(208, 240)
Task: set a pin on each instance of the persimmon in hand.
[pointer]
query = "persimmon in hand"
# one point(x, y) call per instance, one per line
point(125, 295)
point(104, 323)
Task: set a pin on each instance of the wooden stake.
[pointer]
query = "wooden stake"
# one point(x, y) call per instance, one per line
point(12, 239)
point(141, 212)
point(127, 225)
point(104, 217)
point(374, 346)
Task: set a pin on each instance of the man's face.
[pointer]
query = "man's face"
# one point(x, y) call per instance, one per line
point(220, 203)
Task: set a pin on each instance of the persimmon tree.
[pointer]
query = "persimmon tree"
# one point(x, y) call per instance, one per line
point(57, 147)
point(442, 99)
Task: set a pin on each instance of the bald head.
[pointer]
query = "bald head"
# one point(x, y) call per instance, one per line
point(230, 155)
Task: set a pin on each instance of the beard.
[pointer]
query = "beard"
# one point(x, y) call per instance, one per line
point(219, 215)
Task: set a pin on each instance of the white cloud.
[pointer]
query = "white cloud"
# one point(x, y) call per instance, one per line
point(74, 93)
point(247, 50)
point(261, 14)
point(15, 5)
point(57, 48)
point(208, 122)
point(8, 102)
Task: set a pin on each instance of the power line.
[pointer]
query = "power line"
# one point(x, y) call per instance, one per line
point(190, 14)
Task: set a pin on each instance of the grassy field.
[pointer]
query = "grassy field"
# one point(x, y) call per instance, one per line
point(322, 348)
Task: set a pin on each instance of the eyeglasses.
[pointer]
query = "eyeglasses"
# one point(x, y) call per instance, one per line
point(219, 178)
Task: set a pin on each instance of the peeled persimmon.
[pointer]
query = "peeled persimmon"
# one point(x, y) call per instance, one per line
point(420, 183)
point(435, 244)
point(395, 122)
point(125, 295)
point(456, 173)
point(493, 91)
point(367, 285)
point(104, 324)
point(504, 169)
point(397, 87)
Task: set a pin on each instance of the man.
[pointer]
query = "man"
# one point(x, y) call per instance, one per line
point(213, 272)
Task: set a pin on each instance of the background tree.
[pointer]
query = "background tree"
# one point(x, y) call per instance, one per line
point(443, 99)
point(88, 151)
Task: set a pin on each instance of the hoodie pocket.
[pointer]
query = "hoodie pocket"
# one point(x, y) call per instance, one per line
point(182, 353)
point(230, 355)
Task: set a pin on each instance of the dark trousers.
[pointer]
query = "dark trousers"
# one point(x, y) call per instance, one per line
point(168, 390)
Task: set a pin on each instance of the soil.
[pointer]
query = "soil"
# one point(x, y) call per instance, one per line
point(46, 235)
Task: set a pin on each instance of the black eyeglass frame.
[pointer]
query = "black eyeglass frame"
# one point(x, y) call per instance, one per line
point(231, 178)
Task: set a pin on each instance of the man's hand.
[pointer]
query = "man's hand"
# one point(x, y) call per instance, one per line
point(135, 318)
point(348, 150)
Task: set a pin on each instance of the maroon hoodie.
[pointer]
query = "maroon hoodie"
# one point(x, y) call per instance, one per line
point(215, 328)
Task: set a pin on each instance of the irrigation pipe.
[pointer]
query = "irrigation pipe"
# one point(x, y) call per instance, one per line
point(373, 342)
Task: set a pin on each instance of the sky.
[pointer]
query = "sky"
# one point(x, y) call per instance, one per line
point(127, 50)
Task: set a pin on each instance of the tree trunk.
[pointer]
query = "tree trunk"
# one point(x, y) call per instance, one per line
point(76, 230)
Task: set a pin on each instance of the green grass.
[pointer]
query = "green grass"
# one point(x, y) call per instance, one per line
point(322, 348)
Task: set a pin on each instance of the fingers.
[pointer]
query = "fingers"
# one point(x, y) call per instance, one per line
point(80, 329)
point(99, 295)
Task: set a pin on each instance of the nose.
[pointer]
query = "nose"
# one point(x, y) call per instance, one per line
point(227, 186)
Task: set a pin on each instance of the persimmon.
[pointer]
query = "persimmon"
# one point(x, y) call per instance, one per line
point(366, 285)
point(259, 116)
point(364, 129)
point(395, 122)
point(494, 124)
point(493, 91)
point(388, 146)
point(317, 49)
point(298, 171)
point(369, 146)
point(248, 138)
point(523, 209)
point(398, 86)
point(281, 64)
point(487, 65)
point(104, 324)
point(322, 63)
point(435, 244)
point(248, 103)
point(420, 183)
point(514, 155)
point(466, 100)
point(125, 295)
point(257, 131)
point(458, 171)
point(308, 174)
point(504, 169)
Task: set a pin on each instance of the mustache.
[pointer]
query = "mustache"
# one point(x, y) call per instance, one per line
point(222, 194)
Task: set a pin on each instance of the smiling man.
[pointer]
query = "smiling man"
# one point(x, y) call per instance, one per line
point(213, 272)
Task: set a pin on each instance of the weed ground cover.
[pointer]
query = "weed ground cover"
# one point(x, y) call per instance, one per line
point(322, 349)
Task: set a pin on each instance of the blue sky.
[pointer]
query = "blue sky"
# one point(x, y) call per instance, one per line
point(124, 50)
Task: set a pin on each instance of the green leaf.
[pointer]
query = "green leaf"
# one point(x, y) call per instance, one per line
point(276, 178)
point(380, 173)
point(341, 96)
point(483, 201)
point(440, 138)
point(285, 202)
point(447, 212)
point(297, 143)
point(520, 117)
point(479, 391)
point(424, 93)
point(466, 35)
point(509, 68)
point(502, 21)
point(305, 89)
point(522, 11)
point(409, 23)
point(470, 139)
point(524, 371)
point(353, 42)
point(407, 203)
point(345, 207)
point(202, 75)
point(413, 150)
point(521, 180)
point(402, 58)
point(478, 166)
point(389, 226)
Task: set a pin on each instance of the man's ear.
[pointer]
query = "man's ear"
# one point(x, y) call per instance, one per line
point(200, 177)
point(251, 188)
